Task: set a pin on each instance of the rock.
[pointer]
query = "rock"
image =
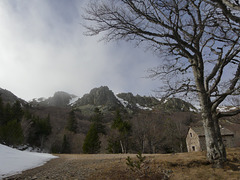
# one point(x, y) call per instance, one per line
point(34, 177)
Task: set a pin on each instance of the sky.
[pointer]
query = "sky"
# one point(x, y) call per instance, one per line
point(43, 49)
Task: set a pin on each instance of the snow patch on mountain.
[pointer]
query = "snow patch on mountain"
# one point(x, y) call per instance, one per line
point(143, 108)
point(220, 108)
point(73, 100)
point(38, 100)
point(165, 101)
point(226, 108)
point(193, 110)
point(122, 101)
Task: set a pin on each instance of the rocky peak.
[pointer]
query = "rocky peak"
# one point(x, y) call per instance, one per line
point(99, 96)
point(59, 99)
point(9, 97)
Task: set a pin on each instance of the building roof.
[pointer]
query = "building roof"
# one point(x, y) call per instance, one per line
point(199, 130)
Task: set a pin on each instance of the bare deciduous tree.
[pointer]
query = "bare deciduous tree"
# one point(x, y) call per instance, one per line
point(200, 47)
point(148, 132)
point(230, 8)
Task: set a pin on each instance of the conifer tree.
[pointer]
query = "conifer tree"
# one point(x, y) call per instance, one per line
point(11, 133)
point(7, 113)
point(124, 129)
point(65, 145)
point(97, 118)
point(1, 112)
point(92, 143)
point(17, 112)
point(10, 127)
point(72, 123)
point(41, 128)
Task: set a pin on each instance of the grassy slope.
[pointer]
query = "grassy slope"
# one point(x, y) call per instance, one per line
point(177, 166)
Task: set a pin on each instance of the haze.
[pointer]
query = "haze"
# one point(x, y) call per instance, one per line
point(43, 50)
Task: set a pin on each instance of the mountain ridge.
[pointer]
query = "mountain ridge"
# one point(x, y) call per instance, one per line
point(8, 97)
point(105, 99)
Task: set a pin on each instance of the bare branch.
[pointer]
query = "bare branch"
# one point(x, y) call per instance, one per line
point(228, 114)
point(224, 4)
point(231, 89)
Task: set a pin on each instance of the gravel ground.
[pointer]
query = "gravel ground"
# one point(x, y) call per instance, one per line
point(72, 167)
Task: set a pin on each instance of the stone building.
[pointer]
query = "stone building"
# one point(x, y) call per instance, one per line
point(195, 139)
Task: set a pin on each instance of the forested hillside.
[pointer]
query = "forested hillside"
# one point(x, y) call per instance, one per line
point(100, 122)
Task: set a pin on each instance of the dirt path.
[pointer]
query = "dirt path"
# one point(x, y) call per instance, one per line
point(76, 167)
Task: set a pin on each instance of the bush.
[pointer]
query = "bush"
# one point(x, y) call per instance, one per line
point(143, 169)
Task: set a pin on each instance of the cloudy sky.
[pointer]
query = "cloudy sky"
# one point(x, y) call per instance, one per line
point(43, 50)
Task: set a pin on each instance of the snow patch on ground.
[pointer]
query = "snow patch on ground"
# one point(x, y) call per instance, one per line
point(29, 148)
point(13, 161)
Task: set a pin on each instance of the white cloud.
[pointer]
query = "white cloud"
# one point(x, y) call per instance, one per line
point(43, 50)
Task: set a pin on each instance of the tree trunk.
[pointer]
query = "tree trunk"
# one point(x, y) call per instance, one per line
point(219, 140)
point(41, 142)
point(143, 147)
point(181, 146)
point(150, 146)
point(216, 153)
point(122, 147)
point(154, 149)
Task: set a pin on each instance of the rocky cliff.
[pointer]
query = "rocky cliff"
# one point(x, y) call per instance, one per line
point(59, 99)
point(101, 96)
point(9, 97)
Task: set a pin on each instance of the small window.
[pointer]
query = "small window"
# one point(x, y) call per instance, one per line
point(193, 148)
point(190, 134)
point(225, 142)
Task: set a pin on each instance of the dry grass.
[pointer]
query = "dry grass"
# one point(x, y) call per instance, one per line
point(181, 166)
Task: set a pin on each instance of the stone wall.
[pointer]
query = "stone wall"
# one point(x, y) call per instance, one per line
point(198, 143)
point(192, 141)
point(228, 141)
